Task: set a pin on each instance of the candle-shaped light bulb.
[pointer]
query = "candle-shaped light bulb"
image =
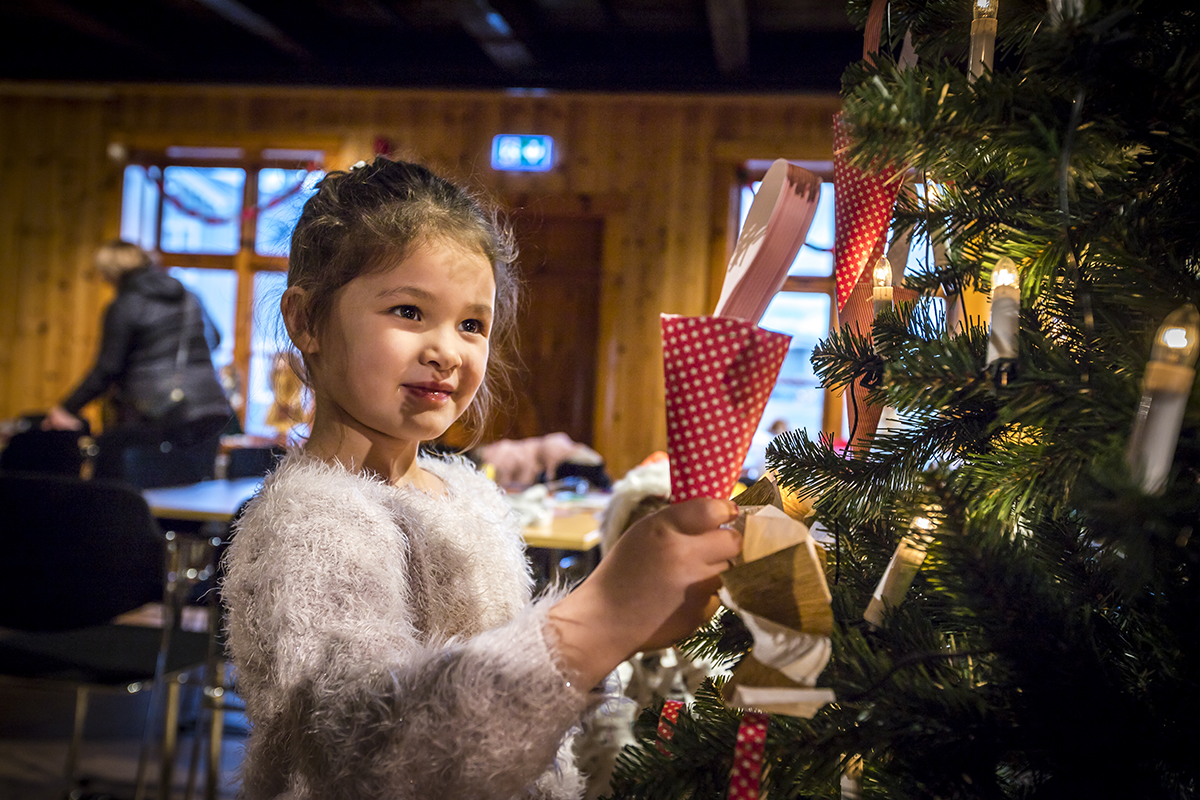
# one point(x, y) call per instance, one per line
point(881, 285)
point(1165, 390)
point(1006, 312)
point(983, 35)
point(901, 570)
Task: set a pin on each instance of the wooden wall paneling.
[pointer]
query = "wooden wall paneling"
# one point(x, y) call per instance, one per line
point(97, 204)
point(61, 173)
point(11, 111)
point(611, 348)
point(589, 138)
point(33, 252)
point(667, 156)
point(16, 168)
point(549, 117)
point(452, 142)
point(486, 124)
point(619, 317)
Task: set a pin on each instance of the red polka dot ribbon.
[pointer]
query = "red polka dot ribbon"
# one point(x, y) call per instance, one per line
point(666, 723)
point(862, 208)
point(719, 373)
point(746, 775)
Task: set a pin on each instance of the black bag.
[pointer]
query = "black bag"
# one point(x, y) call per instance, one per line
point(165, 407)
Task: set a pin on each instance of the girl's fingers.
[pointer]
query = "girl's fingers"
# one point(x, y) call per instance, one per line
point(701, 514)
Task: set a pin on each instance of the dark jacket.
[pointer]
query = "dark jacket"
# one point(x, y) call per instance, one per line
point(142, 329)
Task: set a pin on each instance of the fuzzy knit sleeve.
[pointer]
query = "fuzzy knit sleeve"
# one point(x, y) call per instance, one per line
point(348, 698)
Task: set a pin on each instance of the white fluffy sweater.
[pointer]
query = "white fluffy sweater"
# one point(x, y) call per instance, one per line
point(386, 644)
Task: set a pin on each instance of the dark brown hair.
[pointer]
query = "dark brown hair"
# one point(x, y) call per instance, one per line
point(374, 215)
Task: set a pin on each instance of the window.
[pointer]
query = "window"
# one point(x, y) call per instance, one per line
point(221, 220)
point(804, 308)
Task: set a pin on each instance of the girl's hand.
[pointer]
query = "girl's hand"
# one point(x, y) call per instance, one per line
point(650, 591)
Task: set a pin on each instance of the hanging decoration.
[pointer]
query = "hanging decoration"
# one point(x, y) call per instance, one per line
point(1003, 342)
point(983, 36)
point(863, 204)
point(777, 587)
point(719, 371)
point(248, 212)
point(1166, 386)
point(882, 297)
point(906, 561)
point(745, 777)
point(666, 723)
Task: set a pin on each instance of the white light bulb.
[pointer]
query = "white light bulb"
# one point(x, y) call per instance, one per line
point(1166, 385)
point(1175, 338)
point(882, 274)
point(1005, 273)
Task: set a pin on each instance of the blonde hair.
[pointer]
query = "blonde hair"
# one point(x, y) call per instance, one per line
point(117, 257)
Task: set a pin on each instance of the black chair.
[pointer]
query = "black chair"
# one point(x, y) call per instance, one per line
point(127, 456)
point(32, 449)
point(77, 554)
point(253, 462)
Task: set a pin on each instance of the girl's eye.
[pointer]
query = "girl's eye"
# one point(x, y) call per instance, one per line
point(472, 326)
point(407, 312)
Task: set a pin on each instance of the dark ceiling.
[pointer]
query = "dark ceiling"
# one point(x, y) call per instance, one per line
point(623, 45)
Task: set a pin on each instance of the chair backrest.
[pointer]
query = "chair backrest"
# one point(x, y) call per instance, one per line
point(75, 552)
point(32, 449)
point(253, 462)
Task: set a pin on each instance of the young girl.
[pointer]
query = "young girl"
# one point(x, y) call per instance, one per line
point(379, 600)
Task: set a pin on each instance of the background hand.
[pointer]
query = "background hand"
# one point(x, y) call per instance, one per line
point(59, 419)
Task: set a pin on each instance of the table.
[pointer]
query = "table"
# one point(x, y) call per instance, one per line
point(206, 501)
point(570, 528)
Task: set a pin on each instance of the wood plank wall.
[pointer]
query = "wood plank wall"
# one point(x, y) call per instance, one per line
point(658, 167)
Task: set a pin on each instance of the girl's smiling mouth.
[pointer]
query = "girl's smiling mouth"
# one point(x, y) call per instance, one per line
point(435, 393)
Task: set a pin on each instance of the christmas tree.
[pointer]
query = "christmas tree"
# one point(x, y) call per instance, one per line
point(1049, 643)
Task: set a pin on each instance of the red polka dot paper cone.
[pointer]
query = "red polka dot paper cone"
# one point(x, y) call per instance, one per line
point(862, 209)
point(719, 374)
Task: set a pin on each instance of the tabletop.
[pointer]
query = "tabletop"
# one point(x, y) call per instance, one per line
point(571, 527)
point(206, 501)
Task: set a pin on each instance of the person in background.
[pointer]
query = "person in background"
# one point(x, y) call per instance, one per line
point(519, 463)
point(155, 365)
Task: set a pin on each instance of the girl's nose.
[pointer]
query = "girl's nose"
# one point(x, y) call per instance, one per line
point(440, 353)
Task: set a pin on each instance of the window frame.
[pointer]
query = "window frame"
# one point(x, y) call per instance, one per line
point(245, 263)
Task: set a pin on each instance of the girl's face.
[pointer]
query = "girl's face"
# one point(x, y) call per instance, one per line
point(405, 348)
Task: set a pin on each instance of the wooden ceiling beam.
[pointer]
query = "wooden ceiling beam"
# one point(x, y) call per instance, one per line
point(495, 34)
point(363, 12)
point(254, 23)
point(727, 20)
point(85, 23)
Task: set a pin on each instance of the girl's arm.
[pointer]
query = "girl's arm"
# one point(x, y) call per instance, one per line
point(650, 591)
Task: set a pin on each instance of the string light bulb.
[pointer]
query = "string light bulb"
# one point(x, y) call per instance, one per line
point(881, 285)
point(901, 570)
point(1166, 386)
point(1003, 343)
point(983, 35)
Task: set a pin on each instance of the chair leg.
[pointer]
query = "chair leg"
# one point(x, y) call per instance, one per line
point(170, 740)
point(216, 731)
point(197, 753)
point(81, 708)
